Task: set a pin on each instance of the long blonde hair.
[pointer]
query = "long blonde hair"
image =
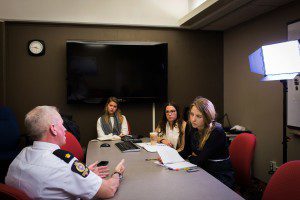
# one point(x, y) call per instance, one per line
point(118, 111)
point(208, 112)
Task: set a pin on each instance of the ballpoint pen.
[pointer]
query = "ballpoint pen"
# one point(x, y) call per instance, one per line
point(148, 159)
point(176, 169)
point(192, 170)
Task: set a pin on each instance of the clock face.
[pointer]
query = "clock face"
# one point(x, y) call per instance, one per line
point(36, 48)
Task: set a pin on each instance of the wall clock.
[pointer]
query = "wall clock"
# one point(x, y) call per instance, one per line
point(36, 47)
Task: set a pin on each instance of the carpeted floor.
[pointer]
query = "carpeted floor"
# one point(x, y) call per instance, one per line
point(254, 192)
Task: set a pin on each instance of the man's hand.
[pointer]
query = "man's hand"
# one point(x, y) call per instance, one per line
point(101, 171)
point(120, 167)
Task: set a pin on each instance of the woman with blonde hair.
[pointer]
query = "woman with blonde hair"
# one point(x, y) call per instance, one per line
point(206, 144)
point(112, 122)
point(171, 127)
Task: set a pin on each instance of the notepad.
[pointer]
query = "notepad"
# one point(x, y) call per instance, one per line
point(171, 158)
point(109, 137)
point(148, 147)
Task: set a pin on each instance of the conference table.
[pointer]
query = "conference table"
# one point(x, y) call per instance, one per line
point(145, 180)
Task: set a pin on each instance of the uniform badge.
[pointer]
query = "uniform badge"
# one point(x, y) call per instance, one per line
point(80, 168)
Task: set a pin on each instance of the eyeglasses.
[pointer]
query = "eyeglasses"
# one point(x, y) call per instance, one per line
point(170, 111)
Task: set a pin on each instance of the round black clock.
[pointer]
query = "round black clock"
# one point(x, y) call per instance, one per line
point(36, 47)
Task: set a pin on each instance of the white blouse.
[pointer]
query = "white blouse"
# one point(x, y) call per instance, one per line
point(171, 135)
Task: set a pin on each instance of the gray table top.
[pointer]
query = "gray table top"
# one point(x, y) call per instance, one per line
point(147, 180)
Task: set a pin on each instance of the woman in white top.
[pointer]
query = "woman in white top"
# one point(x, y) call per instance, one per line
point(112, 122)
point(171, 127)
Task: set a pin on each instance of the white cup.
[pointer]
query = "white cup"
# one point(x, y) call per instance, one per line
point(153, 138)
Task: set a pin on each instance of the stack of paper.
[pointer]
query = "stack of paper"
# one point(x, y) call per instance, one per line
point(150, 148)
point(109, 137)
point(171, 158)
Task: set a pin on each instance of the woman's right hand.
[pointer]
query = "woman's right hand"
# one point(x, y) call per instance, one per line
point(167, 142)
point(159, 159)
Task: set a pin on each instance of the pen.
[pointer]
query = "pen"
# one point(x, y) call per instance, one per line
point(173, 169)
point(192, 170)
point(148, 159)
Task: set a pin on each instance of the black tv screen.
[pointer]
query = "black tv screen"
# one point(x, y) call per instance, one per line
point(130, 71)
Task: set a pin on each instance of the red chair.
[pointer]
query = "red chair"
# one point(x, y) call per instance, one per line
point(129, 128)
point(285, 183)
point(72, 145)
point(10, 193)
point(241, 152)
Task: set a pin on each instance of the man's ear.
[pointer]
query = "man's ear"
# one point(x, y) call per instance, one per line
point(52, 129)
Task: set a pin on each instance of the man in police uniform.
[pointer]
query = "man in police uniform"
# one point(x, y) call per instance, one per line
point(44, 171)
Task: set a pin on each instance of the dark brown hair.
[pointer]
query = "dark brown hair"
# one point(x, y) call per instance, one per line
point(162, 123)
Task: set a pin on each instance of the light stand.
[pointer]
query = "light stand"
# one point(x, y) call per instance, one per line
point(279, 61)
point(284, 136)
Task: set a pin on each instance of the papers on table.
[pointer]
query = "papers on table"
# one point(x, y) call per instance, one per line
point(171, 158)
point(180, 165)
point(150, 148)
point(109, 137)
point(169, 155)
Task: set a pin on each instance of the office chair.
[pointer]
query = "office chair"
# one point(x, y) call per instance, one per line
point(10, 193)
point(285, 182)
point(72, 145)
point(129, 128)
point(9, 132)
point(241, 152)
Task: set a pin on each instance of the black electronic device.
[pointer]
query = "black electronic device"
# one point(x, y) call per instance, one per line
point(126, 137)
point(135, 140)
point(127, 146)
point(102, 163)
point(131, 71)
point(105, 145)
point(131, 139)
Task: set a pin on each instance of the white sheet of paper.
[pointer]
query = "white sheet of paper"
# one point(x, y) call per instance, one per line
point(169, 155)
point(109, 137)
point(180, 165)
point(150, 148)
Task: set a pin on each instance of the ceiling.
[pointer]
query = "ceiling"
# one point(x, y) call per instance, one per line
point(224, 14)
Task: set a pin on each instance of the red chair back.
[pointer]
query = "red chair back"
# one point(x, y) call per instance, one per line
point(285, 182)
point(241, 152)
point(72, 145)
point(10, 193)
point(129, 128)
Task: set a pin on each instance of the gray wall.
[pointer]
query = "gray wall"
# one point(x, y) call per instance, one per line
point(195, 68)
point(250, 102)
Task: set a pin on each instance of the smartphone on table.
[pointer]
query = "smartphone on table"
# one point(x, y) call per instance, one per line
point(102, 163)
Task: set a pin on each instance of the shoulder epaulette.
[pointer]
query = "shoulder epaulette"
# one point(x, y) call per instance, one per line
point(64, 155)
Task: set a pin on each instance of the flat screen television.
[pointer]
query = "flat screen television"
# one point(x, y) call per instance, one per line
point(130, 71)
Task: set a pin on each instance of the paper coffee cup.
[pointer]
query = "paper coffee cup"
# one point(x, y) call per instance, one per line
point(153, 138)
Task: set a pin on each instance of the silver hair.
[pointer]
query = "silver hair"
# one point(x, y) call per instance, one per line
point(39, 119)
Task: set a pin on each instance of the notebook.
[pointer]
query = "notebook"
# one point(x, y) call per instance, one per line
point(150, 148)
point(109, 137)
point(171, 158)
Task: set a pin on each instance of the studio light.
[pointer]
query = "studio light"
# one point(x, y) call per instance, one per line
point(279, 61)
